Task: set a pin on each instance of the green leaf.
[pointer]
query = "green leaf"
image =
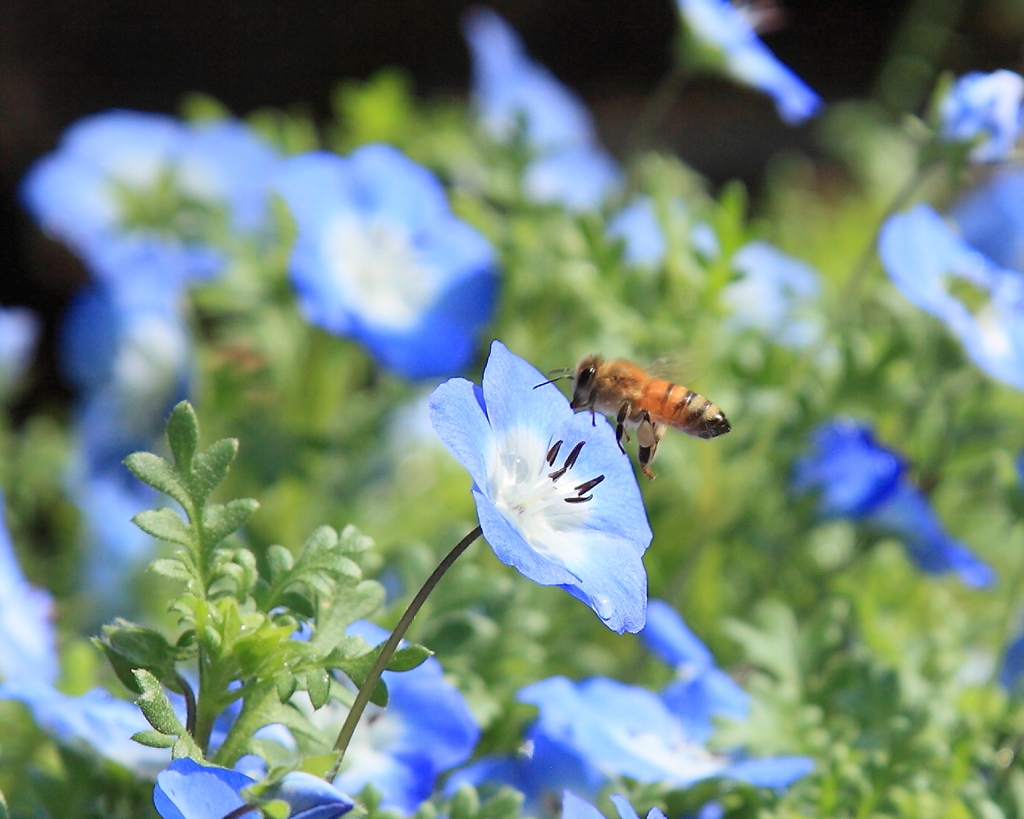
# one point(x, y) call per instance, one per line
point(154, 739)
point(160, 474)
point(165, 524)
point(172, 567)
point(186, 747)
point(505, 804)
point(318, 686)
point(409, 657)
point(183, 435)
point(220, 520)
point(156, 706)
point(351, 604)
point(280, 561)
point(465, 804)
point(4, 813)
point(209, 468)
point(129, 647)
point(352, 541)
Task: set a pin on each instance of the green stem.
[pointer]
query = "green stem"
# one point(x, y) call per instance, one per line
point(659, 102)
point(389, 647)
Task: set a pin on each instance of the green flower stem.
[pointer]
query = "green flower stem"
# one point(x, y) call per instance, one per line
point(389, 648)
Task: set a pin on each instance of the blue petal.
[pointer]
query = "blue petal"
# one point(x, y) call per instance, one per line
point(638, 226)
point(188, 790)
point(991, 218)
point(671, 639)
point(19, 332)
point(696, 701)
point(458, 416)
point(512, 398)
point(1013, 663)
point(310, 797)
point(984, 109)
point(575, 808)
point(776, 772)
point(578, 179)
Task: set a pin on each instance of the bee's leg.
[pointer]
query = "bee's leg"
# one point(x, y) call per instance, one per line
point(648, 434)
point(620, 428)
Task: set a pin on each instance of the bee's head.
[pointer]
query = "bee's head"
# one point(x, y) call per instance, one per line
point(583, 381)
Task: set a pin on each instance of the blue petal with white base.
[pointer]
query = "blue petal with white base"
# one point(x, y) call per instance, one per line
point(380, 257)
point(556, 497)
point(984, 110)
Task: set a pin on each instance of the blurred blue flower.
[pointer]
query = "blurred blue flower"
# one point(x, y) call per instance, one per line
point(627, 731)
point(1013, 663)
point(983, 110)
point(132, 176)
point(380, 257)
point(401, 750)
point(858, 478)
point(513, 93)
point(28, 651)
point(19, 332)
point(701, 690)
point(540, 770)
point(991, 218)
point(640, 228)
point(925, 258)
point(94, 723)
point(556, 497)
point(188, 790)
point(775, 295)
point(575, 808)
point(726, 32)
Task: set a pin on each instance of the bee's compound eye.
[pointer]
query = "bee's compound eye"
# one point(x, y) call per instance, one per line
point(587, 375)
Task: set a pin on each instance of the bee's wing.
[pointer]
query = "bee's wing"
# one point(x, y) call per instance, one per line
point(677, 366)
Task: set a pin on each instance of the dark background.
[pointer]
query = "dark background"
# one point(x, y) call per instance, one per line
point(62, 59)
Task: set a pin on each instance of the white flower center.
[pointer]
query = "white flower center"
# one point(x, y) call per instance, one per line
point(538, 489)
point(682, 760)
point(374, 265)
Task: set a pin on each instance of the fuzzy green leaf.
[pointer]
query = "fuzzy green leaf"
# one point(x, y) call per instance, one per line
point(351, 604)
point(465, 804)
point(352, 541)
point(318, 686)
point(280, 561)
point(161, 475)
point(154, 739)
point(172, 567)
point(183, 434)
point(155, 705)
point(505, 804)
point(129, 647)
point(209, 468)
point(165, 524)
point(408, 658)
point(220, 520)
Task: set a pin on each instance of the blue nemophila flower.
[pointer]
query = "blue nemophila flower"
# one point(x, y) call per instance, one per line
point(556, 497)
point(513, 93)
point(426, 729)
point(1013, 663)
point(95, 723)
point(991, 218)
point(575, 808)
point(627, 731)
point(380, 257)
point(642, 232)
point(28, 650)
point(858, 478)
point(774, 295)
point(726, 33)
point(984, 110)
point(19, 332)
point(701, 690)
point(925, 259)
point(188, 790)
point(132, 176)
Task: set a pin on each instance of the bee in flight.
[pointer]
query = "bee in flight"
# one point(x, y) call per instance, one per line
point(643, 402)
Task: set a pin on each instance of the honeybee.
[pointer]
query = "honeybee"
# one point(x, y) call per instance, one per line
point(642, 402)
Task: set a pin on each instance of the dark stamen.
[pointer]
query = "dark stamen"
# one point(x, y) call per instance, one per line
point(583, 488)
point(584, 499)
point(553, 453)
point(558, 473)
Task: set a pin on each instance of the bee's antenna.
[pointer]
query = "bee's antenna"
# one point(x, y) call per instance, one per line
point(563, 373)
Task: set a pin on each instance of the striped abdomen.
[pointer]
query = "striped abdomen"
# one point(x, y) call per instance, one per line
point(683, 409)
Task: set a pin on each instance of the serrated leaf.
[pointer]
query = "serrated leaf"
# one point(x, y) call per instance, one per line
point(129, 647)
point(165, 524)
point(209, 468)
point(318, 686)
point(352, 541)
point(298, 603)
point(160, 474)
point(172, 567)
point(155, 705)
point(350, 604)
point(409, 657)
point(154, 739)
point(280, 561)
point(183, 434)
point(221, 519)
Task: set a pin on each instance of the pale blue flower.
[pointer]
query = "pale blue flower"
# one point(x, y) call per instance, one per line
point(380, 257)
point(775, 295)
point(514, 95)
point(556, 497)
point(858, 478)
point(627, 731)
point(701, 690)
point(924, 257)
point(725, 30)
point(28, 651)
point(991, 218)
point(95, 723)
point(639, 227)
point(1013, 663)
point(426, 729)
point(189, 790)
point(19, 332)
point(573, 807)
point(984, 110)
